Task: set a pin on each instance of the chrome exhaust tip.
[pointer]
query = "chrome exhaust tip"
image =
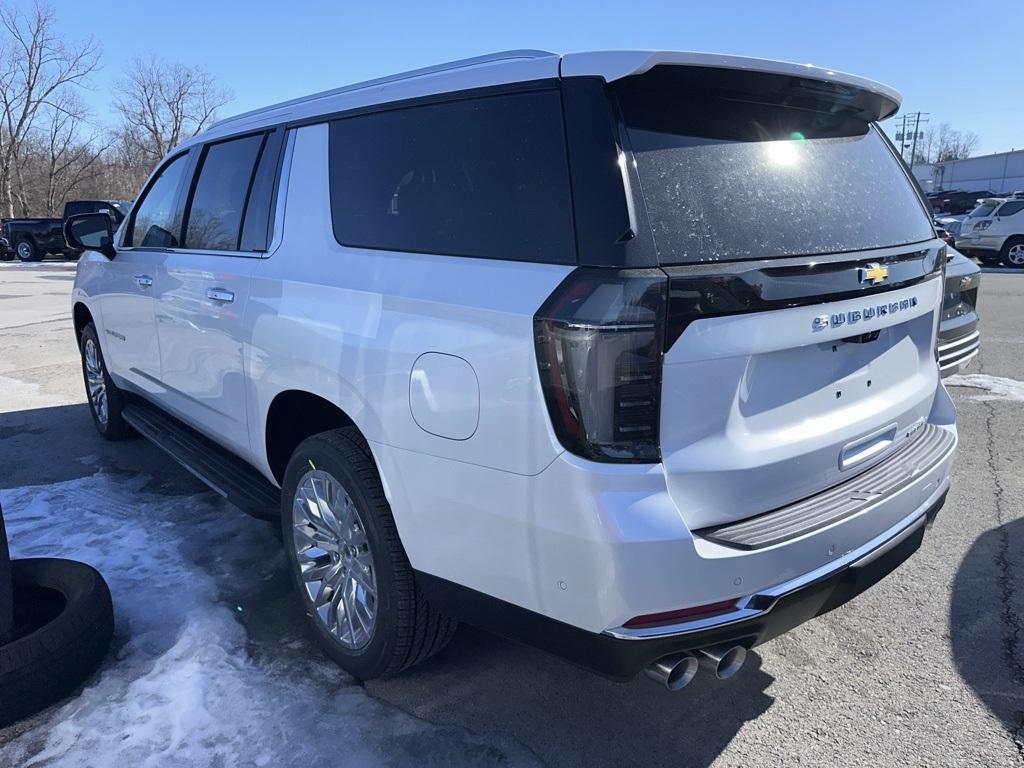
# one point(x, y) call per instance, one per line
point(723, 661)
point(674, 672)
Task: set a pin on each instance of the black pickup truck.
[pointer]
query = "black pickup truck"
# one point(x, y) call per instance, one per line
point(32, 239)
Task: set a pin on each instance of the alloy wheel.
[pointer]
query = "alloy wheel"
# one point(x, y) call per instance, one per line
point(24, 251)
point(1016, 255)
point(335, 562)
point(97, 383)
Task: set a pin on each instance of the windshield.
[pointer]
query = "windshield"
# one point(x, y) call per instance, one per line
point(985, 209)
point(732, 169)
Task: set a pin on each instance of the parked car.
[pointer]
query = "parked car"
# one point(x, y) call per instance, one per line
point(956, 201)
point(994, 232)
point(944, 234)
point(493, 356)
point(959, 337)
point(34, 239)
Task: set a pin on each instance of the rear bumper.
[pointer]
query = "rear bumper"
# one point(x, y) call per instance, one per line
point(620, 654)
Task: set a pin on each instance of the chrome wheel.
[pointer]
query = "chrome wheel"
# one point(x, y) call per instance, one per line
point(24, 251)
point(95, 381)
point(335, 562)
point(1016, 255)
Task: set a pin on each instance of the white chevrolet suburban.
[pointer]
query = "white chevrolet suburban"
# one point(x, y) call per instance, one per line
point(629, 355)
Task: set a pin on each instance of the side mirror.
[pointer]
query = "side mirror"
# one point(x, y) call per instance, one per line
point(90, 231)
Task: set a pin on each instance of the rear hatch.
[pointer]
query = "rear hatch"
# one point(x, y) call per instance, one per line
point(981, 217)
point(804, 283)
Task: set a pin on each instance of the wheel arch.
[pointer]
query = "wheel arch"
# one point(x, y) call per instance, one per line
point(82, 317)
point(292, 416)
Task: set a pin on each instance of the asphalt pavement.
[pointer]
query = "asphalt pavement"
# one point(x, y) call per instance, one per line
point(926, 668)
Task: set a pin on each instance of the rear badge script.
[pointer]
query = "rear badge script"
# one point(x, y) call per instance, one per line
point(821, 322)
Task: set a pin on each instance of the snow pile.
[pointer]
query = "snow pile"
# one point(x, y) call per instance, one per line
point(186, 684)
point(988, 387)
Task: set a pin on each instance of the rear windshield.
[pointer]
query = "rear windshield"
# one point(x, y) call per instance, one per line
point(985, 209)
point(739, 166)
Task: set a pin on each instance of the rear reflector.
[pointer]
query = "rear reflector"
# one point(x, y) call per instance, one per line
point(696, 612)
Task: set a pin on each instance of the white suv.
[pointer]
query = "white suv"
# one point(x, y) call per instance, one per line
point(994, 231)
point(596, 351)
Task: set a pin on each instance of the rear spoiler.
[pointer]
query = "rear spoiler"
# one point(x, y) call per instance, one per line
point(616, 65)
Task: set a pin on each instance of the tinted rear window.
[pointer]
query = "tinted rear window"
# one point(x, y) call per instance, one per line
point(215, 213)
point(985, 209)
point(481, 177)
point(736, 166)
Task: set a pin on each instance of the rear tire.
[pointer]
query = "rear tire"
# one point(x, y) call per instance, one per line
point(106, 401)
point(64, 622)
point(1012, 254)
point(332, 492)
point(26, 250)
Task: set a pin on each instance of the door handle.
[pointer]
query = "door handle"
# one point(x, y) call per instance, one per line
point(144, 281)
point(220, 294)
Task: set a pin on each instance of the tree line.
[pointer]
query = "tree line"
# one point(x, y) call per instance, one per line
point(53, 148)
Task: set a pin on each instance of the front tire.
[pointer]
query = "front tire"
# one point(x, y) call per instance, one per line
point(348, 563)
point(106, 401)
point(27, 250)
point(1012, 254)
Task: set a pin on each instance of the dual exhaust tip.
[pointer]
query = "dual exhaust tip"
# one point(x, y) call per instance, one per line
point(676, 671)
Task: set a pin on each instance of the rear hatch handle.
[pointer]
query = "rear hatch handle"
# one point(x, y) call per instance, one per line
point(868, 447)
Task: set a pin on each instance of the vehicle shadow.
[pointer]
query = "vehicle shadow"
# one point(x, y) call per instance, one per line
point(987, 622)
point(58, 443)
point(569, 716)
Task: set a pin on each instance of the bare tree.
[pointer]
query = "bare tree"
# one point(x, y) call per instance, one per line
point(38, 68)
point(945, 142)
point(163, 103)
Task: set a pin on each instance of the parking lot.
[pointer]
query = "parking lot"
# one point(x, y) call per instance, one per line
point(212, 664)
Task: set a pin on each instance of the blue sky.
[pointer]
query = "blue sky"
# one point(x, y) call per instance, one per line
point(271, 51)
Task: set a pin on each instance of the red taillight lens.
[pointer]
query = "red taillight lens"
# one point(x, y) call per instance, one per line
point(599, 340)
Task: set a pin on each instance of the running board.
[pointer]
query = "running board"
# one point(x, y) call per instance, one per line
point(220, 469)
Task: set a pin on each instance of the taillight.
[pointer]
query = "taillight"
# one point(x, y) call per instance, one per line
point(599, 340)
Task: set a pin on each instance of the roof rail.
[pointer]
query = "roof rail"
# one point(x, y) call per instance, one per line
point(435, 69)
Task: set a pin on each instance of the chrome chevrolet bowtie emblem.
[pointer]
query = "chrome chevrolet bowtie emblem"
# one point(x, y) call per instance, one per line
point(873, 273)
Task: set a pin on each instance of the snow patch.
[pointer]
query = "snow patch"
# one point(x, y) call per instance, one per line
point(987, 387)
point(185, 683)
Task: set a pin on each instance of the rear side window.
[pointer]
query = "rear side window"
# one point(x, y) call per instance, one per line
point(1009, 209)
point(156, 218)
point(220, 193)
point(484, 177)
point(736, 165)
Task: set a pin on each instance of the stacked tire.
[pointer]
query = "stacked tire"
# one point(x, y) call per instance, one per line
point(56, 624)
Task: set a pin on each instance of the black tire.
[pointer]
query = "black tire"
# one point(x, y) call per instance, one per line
point(26, 250)
point(406, 630)
point(6, 595)
point(1017, 244)
point(114, 427)
point(63, 625)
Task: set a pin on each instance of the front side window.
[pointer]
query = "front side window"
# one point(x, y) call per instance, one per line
point(156, 217)
point(737, 165)
point(1009, 209)
point(484, 177)
point(221, 189)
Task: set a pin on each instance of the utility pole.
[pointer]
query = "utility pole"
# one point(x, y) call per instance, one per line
point(913, 146)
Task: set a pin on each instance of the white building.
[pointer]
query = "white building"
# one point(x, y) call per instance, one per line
point(1002, 172)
